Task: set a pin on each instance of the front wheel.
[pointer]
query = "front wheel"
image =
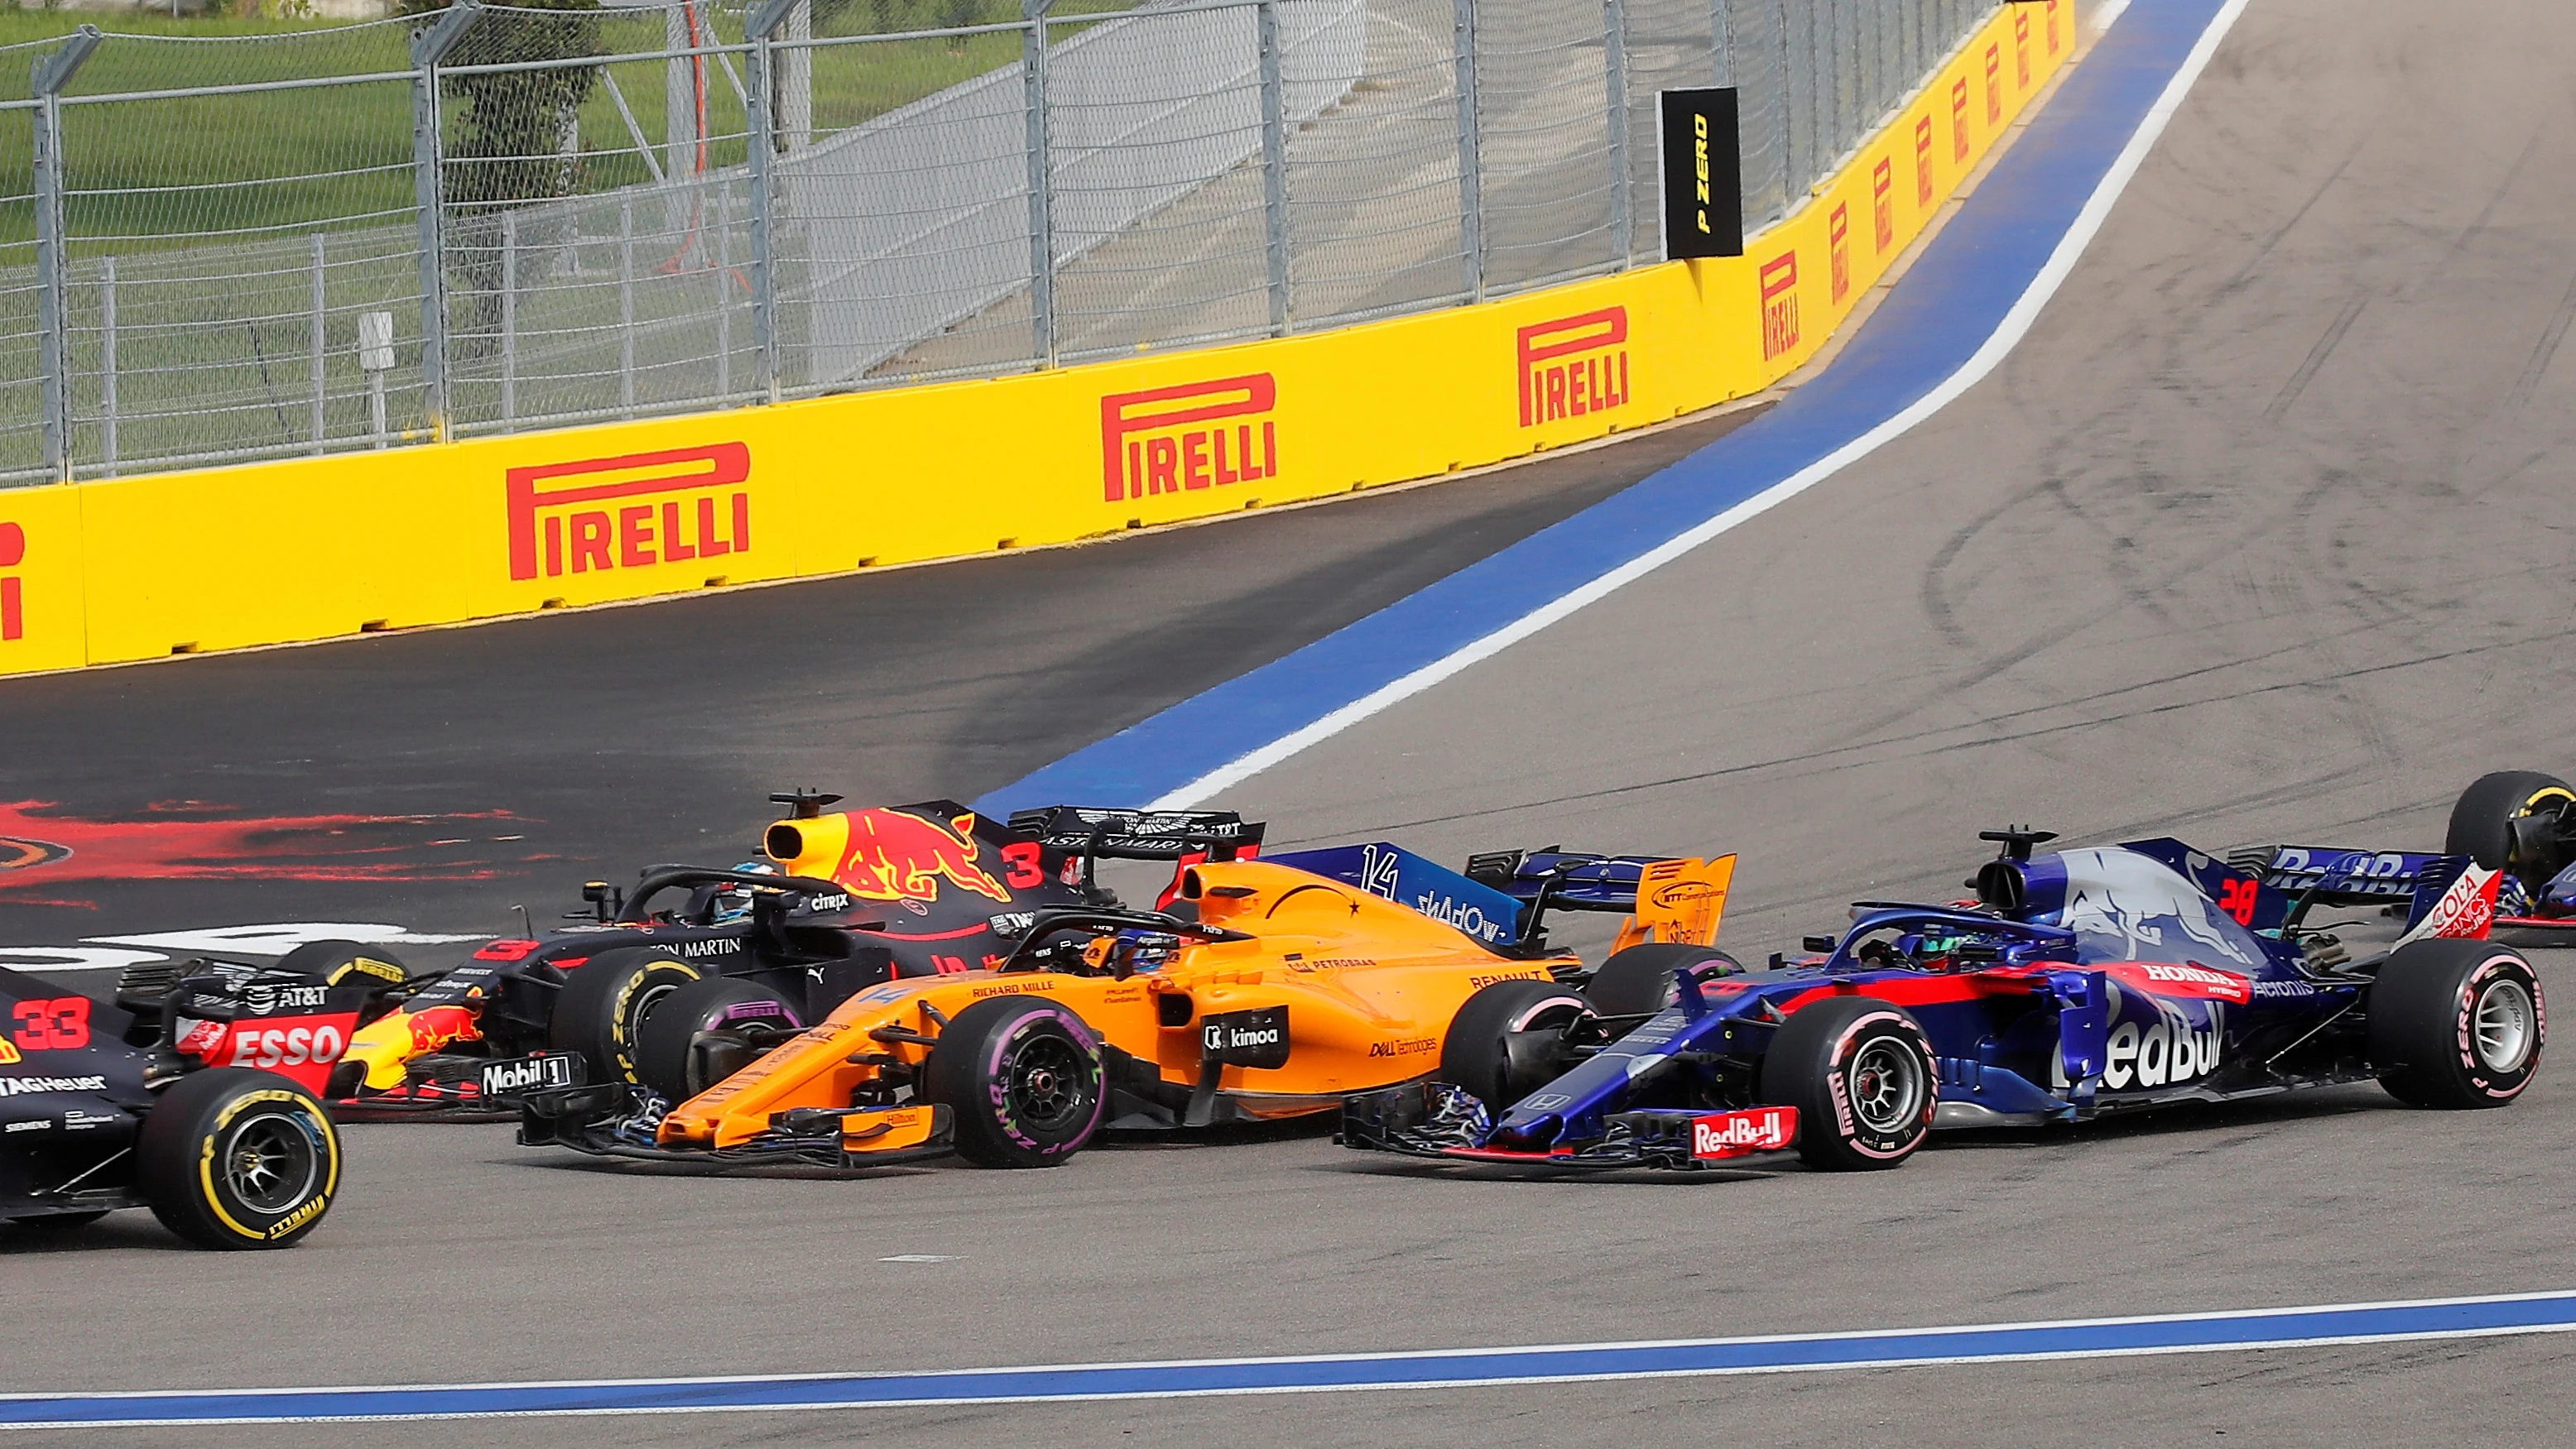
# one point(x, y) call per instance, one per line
point(600, 1011)
point(237, 1158)
point(1486, 1051)
point(1639, 980)
point(668, 1055)
point(2490, 815)
point(2456, 1024)
point(1023, 1079)
point(1859, 1070)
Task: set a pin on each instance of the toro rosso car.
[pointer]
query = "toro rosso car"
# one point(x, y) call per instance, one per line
point(100, 1108)
point(2076, 984)
point(843, 901)
point(1268, 988)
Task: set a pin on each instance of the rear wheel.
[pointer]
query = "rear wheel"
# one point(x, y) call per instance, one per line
point(1859, 1071)
point(344, 963)
point(747, 1011)
point(1021, 1077)
point(2456, 1024)
point(236, 1158)
point(1639, 980)
point(601, 1010)
point(1486, 1050)
point(2483, 820)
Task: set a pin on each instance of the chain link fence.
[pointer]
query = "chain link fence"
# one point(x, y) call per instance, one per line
point(489, 218)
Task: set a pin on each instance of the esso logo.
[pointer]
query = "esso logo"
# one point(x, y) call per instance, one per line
point(287, 1046)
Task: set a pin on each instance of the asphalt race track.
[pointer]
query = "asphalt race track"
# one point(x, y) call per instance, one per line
point(2257, 536)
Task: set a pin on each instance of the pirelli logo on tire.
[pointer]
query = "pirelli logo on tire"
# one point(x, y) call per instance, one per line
point(598, 515)
point(1194, 436)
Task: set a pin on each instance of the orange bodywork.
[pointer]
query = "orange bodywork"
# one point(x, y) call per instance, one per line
point(1370, 987)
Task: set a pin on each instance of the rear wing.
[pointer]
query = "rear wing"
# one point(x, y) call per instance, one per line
point(1667, 898)
point(1081, 832)
point(2292, 879)
point(1503, 897)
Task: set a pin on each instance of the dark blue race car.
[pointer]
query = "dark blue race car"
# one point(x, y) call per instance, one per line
point(2077, 983)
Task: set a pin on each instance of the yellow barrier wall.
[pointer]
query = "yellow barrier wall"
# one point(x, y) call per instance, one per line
point(311, 549)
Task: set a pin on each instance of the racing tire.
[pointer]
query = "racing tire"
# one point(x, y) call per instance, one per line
point(2482, 819)
point(1476, 1053)
point(713, 1003)
point(344, 963)
point(601, 1010)
point(1639, 980)
point(1022, 1080)
point(2456, 1024)
point(238, 1158)
point(1859, 1070)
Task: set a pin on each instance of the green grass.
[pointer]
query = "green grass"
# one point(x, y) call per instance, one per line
point(132, 154)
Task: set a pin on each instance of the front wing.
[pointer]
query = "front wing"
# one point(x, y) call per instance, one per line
point(1446, 1123)
point(456, 1087)
point(617, 1120)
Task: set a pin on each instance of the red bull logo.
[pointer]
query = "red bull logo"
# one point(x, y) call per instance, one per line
point(1779, 279)
point(688, 504)
point(433, 1027)
point(13, 608)
point(1959, 120)
point(1923, 161)
point(1197, 435)
point(1882, 202)
point(897, 857)
point(1838, 250)
point(1738, 1134)
point(1574, 366)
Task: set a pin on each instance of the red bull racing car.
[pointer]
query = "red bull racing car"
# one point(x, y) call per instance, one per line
point(204, 1113)
point(748, 955)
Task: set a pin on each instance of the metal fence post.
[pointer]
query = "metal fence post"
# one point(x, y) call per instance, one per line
point(1274, 163)
point(428, 48)
point(1471, 178)
point(510, 315)
point(107, 365)
point(626, 305)
point(1721, 39)
point(724, 292)
point(320, 340)
point(1033, 68)
point(1614, 50)
point(762, 124)
point(53, 313)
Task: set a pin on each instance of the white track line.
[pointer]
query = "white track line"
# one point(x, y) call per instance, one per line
point(2007, 335)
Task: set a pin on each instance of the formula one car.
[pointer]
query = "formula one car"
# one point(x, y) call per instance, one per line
point(2076, 984)
point(843, 901)
point(1270, 988)
point(100, 1110)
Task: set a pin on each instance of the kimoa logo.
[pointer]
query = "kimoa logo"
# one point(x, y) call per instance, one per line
point(635, 511)
point(1574, 366)
point(1194, 436)
point(1222, 1038)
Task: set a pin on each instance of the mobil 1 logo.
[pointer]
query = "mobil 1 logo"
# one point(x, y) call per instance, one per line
point(1246, 1038)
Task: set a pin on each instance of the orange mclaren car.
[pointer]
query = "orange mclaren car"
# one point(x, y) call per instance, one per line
point(1266, 988)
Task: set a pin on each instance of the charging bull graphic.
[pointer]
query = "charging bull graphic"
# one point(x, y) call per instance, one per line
point(897, 857)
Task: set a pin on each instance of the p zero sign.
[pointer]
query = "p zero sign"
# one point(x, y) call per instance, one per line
point(1703, 187)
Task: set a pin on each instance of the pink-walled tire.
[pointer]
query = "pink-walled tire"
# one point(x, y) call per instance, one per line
point(1022, 1077)
point(1859, 1070)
